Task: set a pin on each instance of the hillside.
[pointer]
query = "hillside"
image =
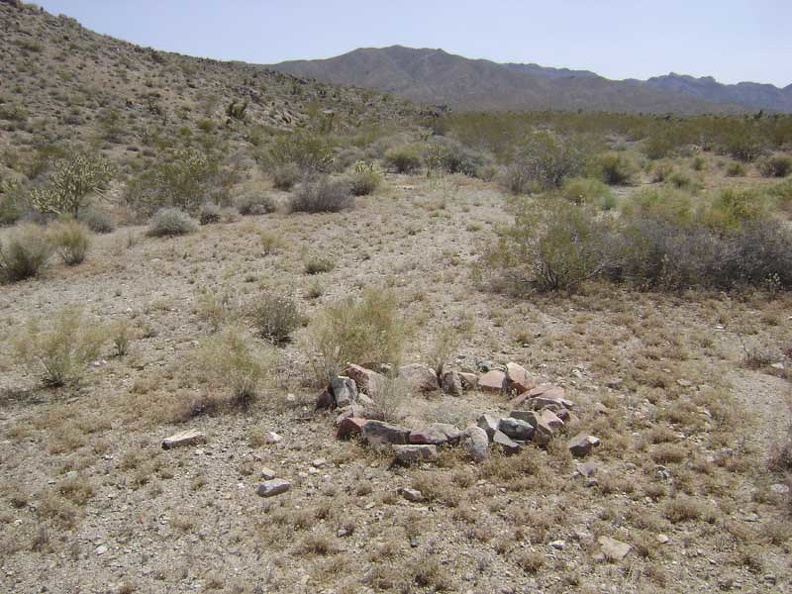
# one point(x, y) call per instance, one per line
point(435, 76)
point(62, 82)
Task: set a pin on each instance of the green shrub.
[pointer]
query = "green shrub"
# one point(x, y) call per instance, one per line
point(735, 169)
point(682, 180)
point(547, 160)
point(664, 203)
point(580, 190)
point(404, 159)
point(23, 254)
point(317, 264)
point(70, 239)
point(731, 207)
point(285, 176)
point(321, 195)
point(210, 214)
point(310, 153)
point(170, 222)
point(254, 203)
point(451, 156)
point(365, 331)
point(98, 221)
point(276, 317)
point(615, 169)
point(71, 184)
point(12, 204)
point(60, 354)
point(364, 178)
point(775, 166)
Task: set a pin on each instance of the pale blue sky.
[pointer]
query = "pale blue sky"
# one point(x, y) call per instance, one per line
point(732, 40)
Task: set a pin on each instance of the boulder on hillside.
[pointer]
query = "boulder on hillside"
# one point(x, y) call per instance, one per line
point(475, 442)
point(377, 433)
point(436, 433)
point(367, 381)
point(414, 454)
point(419, 377)
point(492, 381)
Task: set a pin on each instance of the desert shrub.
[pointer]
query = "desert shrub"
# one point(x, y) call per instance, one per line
point(70, 239)
point(271, 242)
point(71, 184)
point(254, 203)
point(364, 178)
point(23, 254)
point(276, 317)
point(581, 190)
point(322, 194)
point(551, 246)
point(184, 179)
point(12, 203)
point(451, 156)
point(775, 166)
point(699, 163)
point(97, 221)
point(309, 152)
point(210, 214)
point(230, 361)
point(615, 169)
point(741, 142)
point(61, 353)
point(547, 160)
point(732, 207)
point(365, 330)
point(735, 169)
point(682, 180)
point(285, 176)
point(404, 159)
point(170, 222)
point(661, 170)
point(667, 204)
point(317, 264)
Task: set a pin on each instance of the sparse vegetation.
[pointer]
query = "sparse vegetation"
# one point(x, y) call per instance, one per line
point(276, 317)
point(23, 254)
point(70, 239)
point(322, 195)
point(168, 222)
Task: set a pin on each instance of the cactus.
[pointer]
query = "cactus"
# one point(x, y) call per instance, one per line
point(73, 181)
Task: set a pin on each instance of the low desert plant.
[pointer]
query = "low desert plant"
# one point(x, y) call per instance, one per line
point(210, 213)
point(735, 169)
point(318, 264)
point(286, 176)
point(615, 169)
point(308, 152)
point(97, 221)
point(321, 195)
point(70, 239)
point(775, 166)
point(404, 159)
point(254, 203)
point(170, 222)
point(276, 317)
point(581, 190)
point(364, 178)
point(23, 254)
point(61, 353)
point(365, 330)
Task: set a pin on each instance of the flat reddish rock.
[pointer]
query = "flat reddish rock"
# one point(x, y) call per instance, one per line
point(367, 380)
point(518, 378)
point(492, 381)
point(349, 427)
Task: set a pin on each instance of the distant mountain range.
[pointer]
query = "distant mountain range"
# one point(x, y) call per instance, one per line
point(436, 77)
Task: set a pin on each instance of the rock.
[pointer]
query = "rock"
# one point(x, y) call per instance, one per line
point(360, 409)
point(437, 434)
point(469, 380)
point(273, 487)
point(547, 425)
point(183, 438)
point(268, 474)
point(375, 433)
point(420, 378)
point(272, 437)
point(367, 381)
point(582, 444)
point(587, 469)
point(663, 539)
point(413, 495)
point(492, 381)
point(489, 424)
point(518, 379)
point(614, 550)
point(318, 462)
point(451, 383)
point(559, 545)
point(540, 402)
point(516, 429)
point(350, 426)
point(779, 488)
point(475, 442)
point(324, 399)
point(413, 454)
point(344, 390)
point(100, 550)
point(503, 441)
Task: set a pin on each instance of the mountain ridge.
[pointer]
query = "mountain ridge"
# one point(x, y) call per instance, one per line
point(435, 76)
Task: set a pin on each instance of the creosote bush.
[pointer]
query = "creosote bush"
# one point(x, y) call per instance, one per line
point(615, 169)
point(70, 239)
point(404, 159)
point(322, 194)
point(23, 253)
point(580, 190)
point(170, 222)
point(61, 353)
point(775, 166)
point(364, 178)
point(286, 176)
point(365, 330)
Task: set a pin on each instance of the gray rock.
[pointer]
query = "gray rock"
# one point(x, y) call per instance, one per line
point(492, 381)
point(268, 474)
point(452, 383)
point(183, 438)
point(516, 429)
point(413, 454)
point(614, 550)
point(469, 380)
point(582, 444)
point(437, 434)
point(503, 441)
point(376, 433)
point(367, 381)
point(489, 424)
point(344, 390)
point(475, 442)
point(419, 377)
point(413, 495)
point(273, 487)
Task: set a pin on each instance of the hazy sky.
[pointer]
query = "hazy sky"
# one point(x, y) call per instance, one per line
point(732, 40)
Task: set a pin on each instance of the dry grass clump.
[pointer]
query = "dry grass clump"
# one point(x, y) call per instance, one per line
point(322, 194)
point(168, 222)
point(23, 254)
point(70, 239)
point(276, 317)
